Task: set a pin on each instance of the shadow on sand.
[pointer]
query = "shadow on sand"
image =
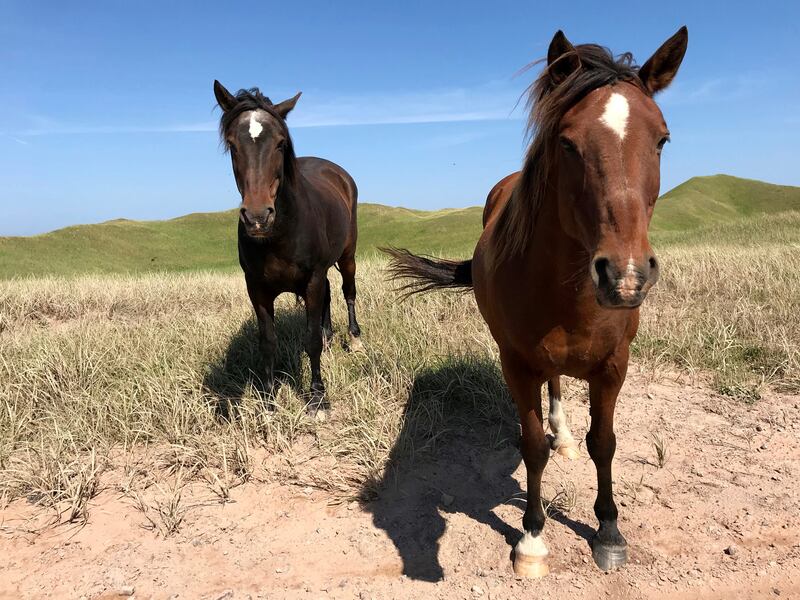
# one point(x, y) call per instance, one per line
point(456, 453)
point(241, 368)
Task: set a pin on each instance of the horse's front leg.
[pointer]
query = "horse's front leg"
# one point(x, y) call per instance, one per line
point(530, 554)
point(609, 548)
point(263, 301)
point(315, 307)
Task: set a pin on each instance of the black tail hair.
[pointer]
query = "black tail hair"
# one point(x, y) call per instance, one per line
point(425, 273)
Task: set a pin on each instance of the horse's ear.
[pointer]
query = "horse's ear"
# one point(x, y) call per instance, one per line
point(225, 99)
point(285, 107)
point(660, 69)
point(562, 58)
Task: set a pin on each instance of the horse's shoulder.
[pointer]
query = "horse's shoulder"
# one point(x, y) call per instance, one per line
point(498, 196)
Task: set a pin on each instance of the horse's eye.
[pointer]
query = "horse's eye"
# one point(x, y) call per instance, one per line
point(661, 143)
point(281, 146)
point(568, 145)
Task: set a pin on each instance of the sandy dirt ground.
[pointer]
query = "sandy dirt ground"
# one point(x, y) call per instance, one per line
point(720, 520)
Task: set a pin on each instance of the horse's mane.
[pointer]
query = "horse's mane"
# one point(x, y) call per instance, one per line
point(253, 99)
point(547, 103)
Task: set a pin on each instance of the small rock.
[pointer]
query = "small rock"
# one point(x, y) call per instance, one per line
point(731, 550)
point(759, 428)
point(763, 447)
point(126, 590)
point(477, 590)
point(447, 499)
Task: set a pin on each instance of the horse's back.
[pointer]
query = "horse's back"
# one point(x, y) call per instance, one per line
point(325, 175)
point(498, 196)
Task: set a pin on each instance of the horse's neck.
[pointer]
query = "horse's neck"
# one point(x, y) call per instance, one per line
point(557, 255)
point(291, 208)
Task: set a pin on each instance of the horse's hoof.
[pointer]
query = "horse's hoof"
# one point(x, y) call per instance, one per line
point(609, 556)
point(530, 567)
point(356, 345)
point(568, 451)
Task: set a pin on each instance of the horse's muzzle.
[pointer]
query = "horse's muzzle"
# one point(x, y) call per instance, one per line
point(258, 225)
point(618, 288)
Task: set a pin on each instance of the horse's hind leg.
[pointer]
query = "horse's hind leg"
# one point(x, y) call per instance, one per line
point(315, 304)
point(562, 441)
point(530, 553)
point(327, 326)
point(347, 266)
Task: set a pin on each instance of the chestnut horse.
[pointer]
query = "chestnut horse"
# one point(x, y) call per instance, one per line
point(564, 261)
point(296, 220)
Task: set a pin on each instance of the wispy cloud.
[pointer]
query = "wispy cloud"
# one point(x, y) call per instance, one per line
point(16, 139)
point(492, 101)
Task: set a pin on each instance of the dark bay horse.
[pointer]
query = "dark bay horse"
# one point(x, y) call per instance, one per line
point(564, 260)
point(296, 220)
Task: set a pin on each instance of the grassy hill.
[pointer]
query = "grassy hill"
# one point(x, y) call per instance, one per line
point(208, 240)
point(710, 201)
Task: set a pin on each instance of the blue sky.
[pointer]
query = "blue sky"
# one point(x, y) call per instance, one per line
point(106, 108)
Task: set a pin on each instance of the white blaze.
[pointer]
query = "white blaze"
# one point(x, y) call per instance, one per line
point(255, 126)
point(615, 116)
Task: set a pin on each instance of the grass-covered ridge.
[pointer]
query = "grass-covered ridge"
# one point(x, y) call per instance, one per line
point(207, 241)
point(711, 201)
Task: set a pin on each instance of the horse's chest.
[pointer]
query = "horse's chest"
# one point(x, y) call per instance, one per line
point(560, 349)
point(279, 274)
point(575, 351)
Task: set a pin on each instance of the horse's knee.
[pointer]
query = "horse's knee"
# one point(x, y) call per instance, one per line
point(535, 452)
point(601, 447)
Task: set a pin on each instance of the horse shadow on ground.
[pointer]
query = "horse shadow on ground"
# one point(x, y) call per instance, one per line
point(456, 453)
point(240, 369)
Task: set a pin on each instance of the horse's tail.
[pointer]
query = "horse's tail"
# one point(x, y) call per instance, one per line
point(424, 273)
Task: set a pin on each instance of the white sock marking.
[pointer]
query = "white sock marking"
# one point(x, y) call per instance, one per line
point(615, 116)
point(255, 126)
point(531, 545)
point(558, 423)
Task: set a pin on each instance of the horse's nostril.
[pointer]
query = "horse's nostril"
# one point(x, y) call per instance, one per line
point(601, 270)
point(653, 263)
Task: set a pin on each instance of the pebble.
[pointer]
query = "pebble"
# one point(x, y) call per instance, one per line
point(447, 499)
point(731, 550)
point(126, 590)
point(477, 590)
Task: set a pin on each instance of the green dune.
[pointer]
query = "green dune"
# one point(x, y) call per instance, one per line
point(207, 241)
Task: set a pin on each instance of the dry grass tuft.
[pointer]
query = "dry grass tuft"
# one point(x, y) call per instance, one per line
point(660, 448)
